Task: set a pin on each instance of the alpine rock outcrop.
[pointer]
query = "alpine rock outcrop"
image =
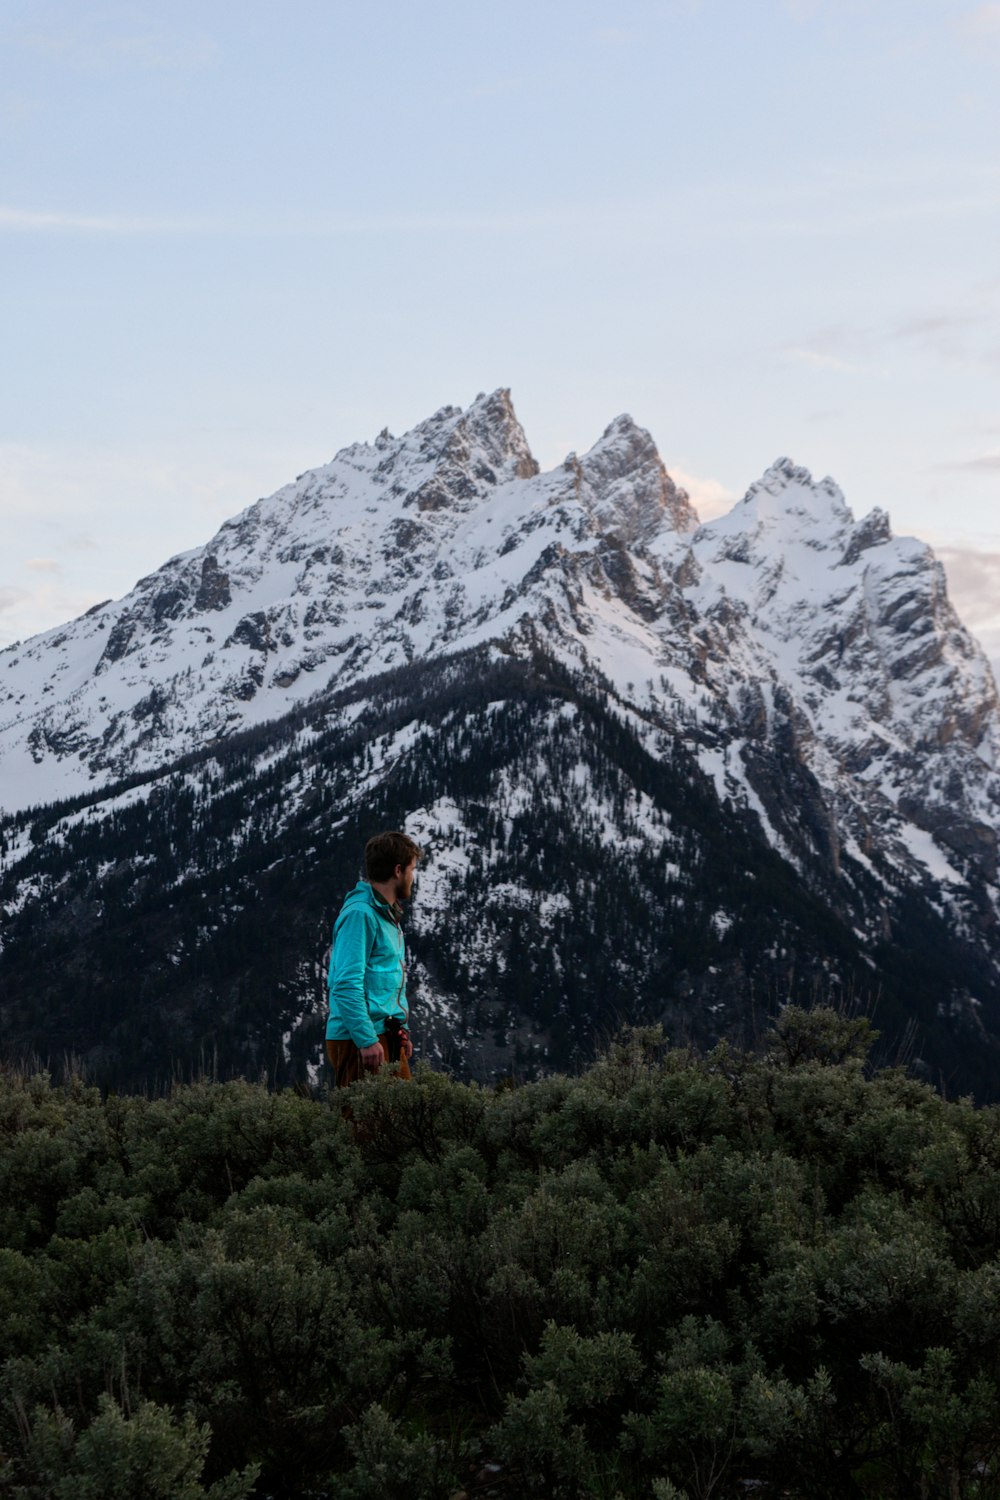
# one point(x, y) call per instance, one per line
point(663, 770)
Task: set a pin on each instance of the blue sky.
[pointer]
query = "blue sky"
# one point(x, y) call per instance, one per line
point(234, 238)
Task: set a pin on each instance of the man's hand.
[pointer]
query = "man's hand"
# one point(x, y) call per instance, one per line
point(406, 1045)
point(372, 1057)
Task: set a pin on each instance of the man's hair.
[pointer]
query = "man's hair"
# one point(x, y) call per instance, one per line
point(384, 851)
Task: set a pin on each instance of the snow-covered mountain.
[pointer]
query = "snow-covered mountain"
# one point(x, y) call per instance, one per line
point(396, 551)
point(809, 664)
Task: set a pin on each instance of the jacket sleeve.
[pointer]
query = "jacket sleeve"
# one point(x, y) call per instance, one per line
point(347, 978)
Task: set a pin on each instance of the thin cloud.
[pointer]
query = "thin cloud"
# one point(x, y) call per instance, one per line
point(9, 597)
point(974, 584)
point(801, 10)
point(596, 219)
point(30, 220)
point(937, 323)
point(830, 414)
point(893, 210)
point(964, 334)
point(835, 341)
point(982, 22)
point(819, 360)
point(985, 463)
point(990, 641)
point(17, 109)
point(88, 49)
point(42, 565)
point(709, 497)
point(974, 589)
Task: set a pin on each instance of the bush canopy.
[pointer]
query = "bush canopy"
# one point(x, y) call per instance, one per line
point(670, 1276)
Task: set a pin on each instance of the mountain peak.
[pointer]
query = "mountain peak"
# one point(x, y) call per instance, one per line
point(786, 474)
point(627, 488)
point(785, 471)
point(492, 422)
point(482, 446)
point(786, 496)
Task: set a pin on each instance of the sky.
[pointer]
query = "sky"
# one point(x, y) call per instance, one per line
point(236, 238)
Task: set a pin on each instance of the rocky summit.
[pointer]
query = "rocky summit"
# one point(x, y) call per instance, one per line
point(663, 771)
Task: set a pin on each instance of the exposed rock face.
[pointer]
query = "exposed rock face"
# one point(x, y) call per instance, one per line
point(484, 446)
point(213, 589)
point(118, 641)
point(626, 489)
point(253, 630)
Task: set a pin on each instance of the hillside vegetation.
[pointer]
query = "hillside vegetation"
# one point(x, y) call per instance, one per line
point(668, 1276)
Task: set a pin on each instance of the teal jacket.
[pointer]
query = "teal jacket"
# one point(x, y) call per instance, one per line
point(367, 978)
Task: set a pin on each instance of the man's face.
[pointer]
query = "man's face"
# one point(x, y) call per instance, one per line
point(404, 879)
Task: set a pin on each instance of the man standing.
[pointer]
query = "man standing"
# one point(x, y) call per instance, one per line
point(367, 978)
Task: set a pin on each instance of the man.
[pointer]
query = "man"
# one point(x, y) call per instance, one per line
point(367, 978)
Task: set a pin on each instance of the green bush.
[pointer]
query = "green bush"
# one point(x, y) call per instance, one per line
point(147, 1455)
point(670, 1276)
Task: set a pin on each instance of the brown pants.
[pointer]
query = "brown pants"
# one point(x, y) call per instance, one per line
point(346, 1061)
